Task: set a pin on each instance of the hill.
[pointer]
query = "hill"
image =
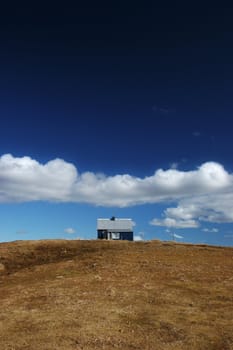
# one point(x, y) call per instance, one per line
point(115, 295)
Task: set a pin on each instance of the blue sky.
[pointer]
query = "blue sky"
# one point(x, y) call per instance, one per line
point(116, 111)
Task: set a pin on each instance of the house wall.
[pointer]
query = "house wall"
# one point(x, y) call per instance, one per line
point(125, 236)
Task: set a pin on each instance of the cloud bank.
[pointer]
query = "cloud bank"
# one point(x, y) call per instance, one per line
point(202, 194)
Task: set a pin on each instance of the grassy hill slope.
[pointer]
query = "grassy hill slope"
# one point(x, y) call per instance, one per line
point(115, 295)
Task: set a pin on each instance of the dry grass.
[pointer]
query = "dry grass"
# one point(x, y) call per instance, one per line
point(115, 295)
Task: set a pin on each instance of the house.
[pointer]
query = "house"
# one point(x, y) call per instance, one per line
point(115, 229)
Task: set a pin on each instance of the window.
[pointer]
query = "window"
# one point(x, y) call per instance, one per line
point(115, 235)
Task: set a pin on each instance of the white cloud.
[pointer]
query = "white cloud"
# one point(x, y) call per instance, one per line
point(214, 230)
point(177, 236)
point(174, 223)
point(214, 207)
point(70, 230)
point(202, 194)
point(24, 179)
point(139, 237)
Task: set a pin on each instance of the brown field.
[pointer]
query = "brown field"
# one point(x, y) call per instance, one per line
point(115, 295)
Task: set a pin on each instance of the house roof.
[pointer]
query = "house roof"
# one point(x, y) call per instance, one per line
point(115, 225)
